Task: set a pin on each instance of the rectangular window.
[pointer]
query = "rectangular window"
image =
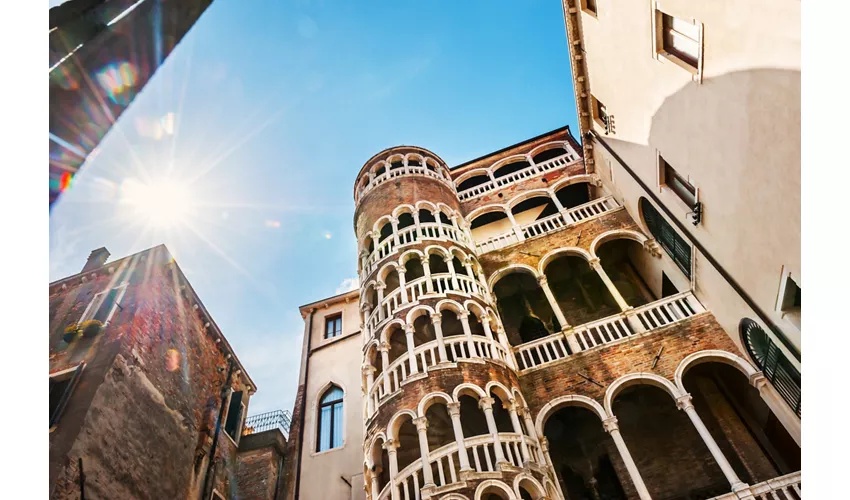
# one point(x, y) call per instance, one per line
point(234, 415)
point(333, 326)
point(104, 304)
point(589, 6)
point(678, 40)
point(790, 299)
point(675, 246)
point(600, 113)
point(62, 385)
point(677, 183)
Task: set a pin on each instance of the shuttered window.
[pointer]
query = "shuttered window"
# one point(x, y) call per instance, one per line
point(772, 362)
point(675, 246)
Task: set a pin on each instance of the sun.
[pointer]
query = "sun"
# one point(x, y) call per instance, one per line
point(160, 203)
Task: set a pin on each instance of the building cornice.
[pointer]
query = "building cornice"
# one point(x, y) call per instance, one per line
point(581, 83)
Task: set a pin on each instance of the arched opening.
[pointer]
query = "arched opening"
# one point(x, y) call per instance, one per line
point(396, 163)
point(751, 437)
point(423, 332)
point(532, 209)
point(500, 414)
point(458, 266)
point(380, 464)
point(425, 216)
point(413, 269)
point(629, 267)
point(386, 231)
point(579, 291)
point(440, 431)
point(381, 171)
point(331, 417)
point(573, 195)
point(585, 457)
point(437, 263)
point(451, 325)
point(398, 343)
point(371, 294)
point(525, 311)
point(510, 168)
point(490, 224)
point(548, 154)
point(374, 358)
point(475, 325)
point(498, 491)
point(670, 454)
point(369, 244)
point(472, 419)
point(392, 282)
point(414, 161)
point(530, 491)
point(475, 180)
point(783, 375)
point(405, 220)
point(408, 443)
point(444, 219)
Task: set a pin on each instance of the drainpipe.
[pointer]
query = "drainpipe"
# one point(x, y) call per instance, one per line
point(224, 390)
point(749, 301)
point(309, 334)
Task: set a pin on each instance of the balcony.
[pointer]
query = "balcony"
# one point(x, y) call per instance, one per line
point(445, 464)
point(552, 223)
point(515, 177)
point(427, 358)
point(404, 170)
point(277, 419)
point(787, 487)
point(410, 235)
point(609, 330)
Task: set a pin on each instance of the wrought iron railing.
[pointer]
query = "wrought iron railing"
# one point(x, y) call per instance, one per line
point(278, 419)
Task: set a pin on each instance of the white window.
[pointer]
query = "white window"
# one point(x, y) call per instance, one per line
point(104, 304)
point(589, 6)
point(678, 40)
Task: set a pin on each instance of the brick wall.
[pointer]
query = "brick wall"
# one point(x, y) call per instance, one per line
point(386, 197)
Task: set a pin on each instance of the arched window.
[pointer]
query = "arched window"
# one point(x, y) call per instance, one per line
point(772, 362)
point(675, 246)
point(330, 419)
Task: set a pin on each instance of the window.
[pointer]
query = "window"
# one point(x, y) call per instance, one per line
point(677, 183)
point(772, 362)
point(600, 115)
point(679, 41)
point(330, 419)
point(62, 385)
point(589, 6)
point(106, 303)
point(333, 326)
point(234, 415)
point(789, 304)
point(675, 246)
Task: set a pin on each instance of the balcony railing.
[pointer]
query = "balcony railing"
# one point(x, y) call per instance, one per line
point(277, 419)
point(441, 283)
point(394, 173)
point(786, 487)
point(410, 235)
point(518, 176)
point(588, 336)
point(550, 224)
point(445, 463)
point(458, 347)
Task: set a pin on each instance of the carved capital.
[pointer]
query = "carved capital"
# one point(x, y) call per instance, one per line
point(544, 444)
point(454, 409)
point(684, 402)
point(421, 423)
point(610, 424)
point(436, 318)
point(595, 264)
point(408, 329)
point(384, 347)
point(486, 403)
point(758, 380)
point(542, 280)
point(511, 405)
point(463, 315)
point(391, 446)
point(652, 247)
point(368, 369)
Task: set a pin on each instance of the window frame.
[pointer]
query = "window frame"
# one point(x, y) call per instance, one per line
point(598, 110)
point(333, 414)
point(73, 374)
point(328, 320)
point(591, 11)
point(660, 51)
point(667, 237)
point(90, 310)
point(241, 419)
point(664, 169)
point(790, 315)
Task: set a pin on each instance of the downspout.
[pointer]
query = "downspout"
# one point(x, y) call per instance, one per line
point(309, 334)
point(277, 482)
point(740, 291)
point(224, 390)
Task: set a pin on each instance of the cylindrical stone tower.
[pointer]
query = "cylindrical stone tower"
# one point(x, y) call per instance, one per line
point(443, 411)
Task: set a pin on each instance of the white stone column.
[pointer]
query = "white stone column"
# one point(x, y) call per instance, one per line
point(458, 230)
point(421, 429)
point(485, 322)
point(454, 413)
point(376, 485)
point(441, 231)
point(525, 413)
point(455, 284)
point(402, 284)
point(411, 356)
point(684, 403)
point(380, 305)
point(613, 428)
point(597, 266)
point(554, 197)
point(436, 320)
point(392, 452)
point(419, 234)
point(486, 404)
point(366, 328)
point(511, 406)
point(544, 450)
point(385, 359)
point(515, 226)
point(464, 321)
point(484, 286)
point(467, 263)
point(503, 339)
point(544, 284)
point(394, 222)
point(426, 266)
point(369, 371)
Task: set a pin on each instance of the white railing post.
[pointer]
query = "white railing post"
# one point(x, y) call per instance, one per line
point(392, 453)
point(369, 371)
point(455, 284)
point(511, 406)
point(517, 230)
point(467, 331)
point(380, 305)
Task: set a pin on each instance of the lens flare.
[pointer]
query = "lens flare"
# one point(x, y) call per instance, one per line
point(172, 360)
point(118, 80)
point(161, 203)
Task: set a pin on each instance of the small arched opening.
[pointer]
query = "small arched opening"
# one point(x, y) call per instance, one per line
point(548, 154)
point(408, 443)
point(525, 311)
point(630, 268)
point(471, 182)
point(579, 290)
point(573, 195)
point(510, 168)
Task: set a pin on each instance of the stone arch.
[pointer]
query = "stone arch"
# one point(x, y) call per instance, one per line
point(469, 305)
point(417, 311)
point(389, 327)
point(386, 269)
point(527, 195)
point(502, 392)
point(554, 254)
point(501, 273)
point(403, 209)
point(429, 399)
point(628, 234)
point(493, 485)
point(425, 205)
point(550, 145)
point(436, 249)
point(517, 395)
point(381, 222)
point(471, 173)
point(551, 491)
point(449, 304)
point(486, 209)
point(508, 160)
point(406, 256)
point(712, 355)
point(395, 422)
point(637, 379)
point(453, 496)
point(531, 485)
point(445, 208)
point(573, 179)
point(556, 404)
point(467, 389)
point(370, 447)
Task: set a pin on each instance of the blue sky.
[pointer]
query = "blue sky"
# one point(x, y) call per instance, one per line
point(276, 105)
